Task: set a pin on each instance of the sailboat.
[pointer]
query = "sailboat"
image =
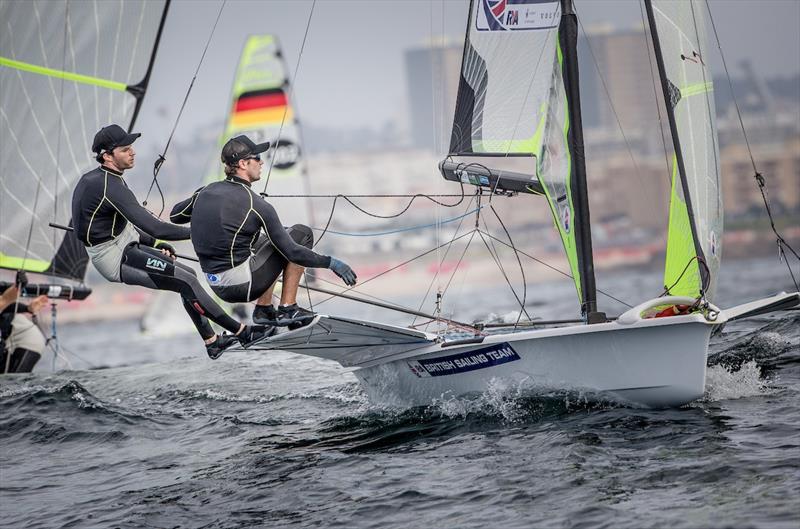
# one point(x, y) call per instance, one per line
point(518, 97)
point(66, 70)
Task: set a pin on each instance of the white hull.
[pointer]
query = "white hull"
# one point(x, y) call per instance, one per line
point(648, 365)
point(653, 362)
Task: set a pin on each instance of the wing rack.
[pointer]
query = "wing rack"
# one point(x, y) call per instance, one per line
point(352, 343)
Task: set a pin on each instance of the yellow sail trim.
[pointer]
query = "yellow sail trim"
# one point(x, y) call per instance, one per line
point(67, 76)
point(19, 263)
point(680, 246)
point(695, 89)
point(567, 236)
point(527, 145)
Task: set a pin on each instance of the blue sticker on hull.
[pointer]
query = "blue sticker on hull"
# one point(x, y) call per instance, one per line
point(462, 362)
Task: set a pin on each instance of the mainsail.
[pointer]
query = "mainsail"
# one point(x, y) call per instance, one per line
point(261, 109)
point(695, 221)
point(513, 101)
point(66, 70)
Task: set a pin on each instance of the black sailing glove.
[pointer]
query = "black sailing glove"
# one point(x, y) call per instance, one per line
point(342, 270)
point(168, 247)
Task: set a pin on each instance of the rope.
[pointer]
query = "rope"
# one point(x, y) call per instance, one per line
point(58, 143)
point(162, 157)
point(650, 54)
point(362, 283)
point(401, 230)
point(700, 262)
point(359, 208)
point(551, 267)
point(291, 92)
point(521, 270)
point(759, 178)
point(440, 260)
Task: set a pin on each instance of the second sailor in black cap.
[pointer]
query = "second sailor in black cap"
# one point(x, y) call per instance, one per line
point(242, 245)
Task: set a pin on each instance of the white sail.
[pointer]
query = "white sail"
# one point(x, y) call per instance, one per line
point(66, 70)
point(506, 79)
point(696, 214)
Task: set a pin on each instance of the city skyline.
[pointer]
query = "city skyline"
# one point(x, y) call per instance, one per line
point(351, 74)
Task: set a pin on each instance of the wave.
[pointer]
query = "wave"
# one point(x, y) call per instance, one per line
point(62, 400)
point(350, 393)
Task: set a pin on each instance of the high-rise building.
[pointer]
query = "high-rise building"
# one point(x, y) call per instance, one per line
point(617, 87)
point(432, 74)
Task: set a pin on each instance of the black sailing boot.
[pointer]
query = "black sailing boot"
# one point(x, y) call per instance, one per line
point(294, 317)
point(220, 345)
point(265, 315)
point(253, 334)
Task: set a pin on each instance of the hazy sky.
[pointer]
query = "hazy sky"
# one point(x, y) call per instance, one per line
point(352, 69)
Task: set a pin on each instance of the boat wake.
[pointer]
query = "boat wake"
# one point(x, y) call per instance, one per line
point(723, 383)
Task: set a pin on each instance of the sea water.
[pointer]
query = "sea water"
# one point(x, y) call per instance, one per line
point(157, 435)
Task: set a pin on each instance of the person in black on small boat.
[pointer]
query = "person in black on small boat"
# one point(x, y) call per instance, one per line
point(123, 240)
point(242, 245)
point(21, 341)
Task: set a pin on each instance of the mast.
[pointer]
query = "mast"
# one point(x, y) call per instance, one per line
point(568, 41)
point(138, 90)
point(671, 96)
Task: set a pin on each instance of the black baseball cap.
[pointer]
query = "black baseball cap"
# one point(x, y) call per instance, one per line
point(112, 136)
point(241, 147)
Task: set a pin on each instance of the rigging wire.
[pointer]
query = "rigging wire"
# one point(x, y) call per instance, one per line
point(291, 93)
point(521, 269)
point(375, 215)
point(700, 262)
point(650, 52)
point(440, 259)
point(551, 267)
point(162, 157)
point(611, 102)
point(53, 340)
point(436, 224)
point(58, 142)
point(759, 178)
point(399, 265)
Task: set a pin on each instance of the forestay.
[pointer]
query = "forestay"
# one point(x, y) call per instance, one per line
point(696, 216)
point(66, 70)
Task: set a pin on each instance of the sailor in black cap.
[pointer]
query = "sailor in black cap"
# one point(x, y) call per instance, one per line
point(122, 239)
point(242, 244)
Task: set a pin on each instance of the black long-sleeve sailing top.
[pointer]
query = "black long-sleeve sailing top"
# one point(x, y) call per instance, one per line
point(102, 205)
point(227, 218)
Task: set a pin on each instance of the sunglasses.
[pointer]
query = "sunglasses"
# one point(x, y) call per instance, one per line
point(256, 158)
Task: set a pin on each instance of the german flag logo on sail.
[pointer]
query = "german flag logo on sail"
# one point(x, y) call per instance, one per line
point(259, 107)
